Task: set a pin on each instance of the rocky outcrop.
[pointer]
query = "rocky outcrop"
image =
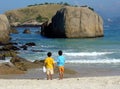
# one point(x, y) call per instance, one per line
point(4, 29)
point(74, 22)
point(8, 68)
point(24, 64)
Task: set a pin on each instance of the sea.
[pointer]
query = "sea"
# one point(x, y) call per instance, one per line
point(87, 57)
point(103, 50)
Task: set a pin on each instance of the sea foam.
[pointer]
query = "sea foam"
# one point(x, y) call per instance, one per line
point(88, 53)
point(104, 61)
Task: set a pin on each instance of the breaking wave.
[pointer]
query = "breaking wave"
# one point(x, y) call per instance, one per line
point(88, 53)
point(104, 61)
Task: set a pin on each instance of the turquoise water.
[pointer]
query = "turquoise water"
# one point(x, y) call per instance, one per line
point(94, 50)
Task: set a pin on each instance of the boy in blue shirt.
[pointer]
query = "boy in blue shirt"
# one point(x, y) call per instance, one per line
point(60, 63)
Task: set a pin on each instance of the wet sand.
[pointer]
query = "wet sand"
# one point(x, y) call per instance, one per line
point(76, 71)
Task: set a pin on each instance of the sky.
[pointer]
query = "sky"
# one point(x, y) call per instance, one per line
point(106, 8)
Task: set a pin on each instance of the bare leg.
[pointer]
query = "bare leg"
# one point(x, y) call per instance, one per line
point(61, 75)
point(51, 76)
point(47, 77)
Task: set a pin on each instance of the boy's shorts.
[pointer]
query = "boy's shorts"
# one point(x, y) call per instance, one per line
point(61, 69)
point(49, 71)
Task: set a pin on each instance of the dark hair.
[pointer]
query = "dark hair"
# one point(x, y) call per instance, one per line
point(60, 52)
point(49, 54)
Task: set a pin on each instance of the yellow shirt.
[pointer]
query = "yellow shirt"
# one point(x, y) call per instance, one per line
point(49, 62)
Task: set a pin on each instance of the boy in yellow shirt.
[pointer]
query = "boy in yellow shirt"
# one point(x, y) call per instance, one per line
point(49, 64)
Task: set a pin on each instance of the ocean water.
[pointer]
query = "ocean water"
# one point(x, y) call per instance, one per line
point(90, 50)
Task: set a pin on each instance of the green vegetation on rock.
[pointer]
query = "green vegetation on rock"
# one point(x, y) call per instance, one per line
point(36, 13)
point(33, 13)
point(39, 18)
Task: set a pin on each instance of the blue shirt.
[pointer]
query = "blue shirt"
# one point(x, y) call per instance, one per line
point(60, 61)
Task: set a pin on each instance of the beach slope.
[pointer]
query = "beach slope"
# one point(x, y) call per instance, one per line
point(112, 82)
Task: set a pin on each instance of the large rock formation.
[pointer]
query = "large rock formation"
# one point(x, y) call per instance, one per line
point(4, 29)
point(74, 22)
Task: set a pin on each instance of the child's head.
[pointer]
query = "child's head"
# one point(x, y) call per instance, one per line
point(60, 52)
point(49, 54)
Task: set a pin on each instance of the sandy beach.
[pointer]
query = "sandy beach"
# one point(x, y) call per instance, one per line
point(112, 82)
point(86, 31)
point(87, 77)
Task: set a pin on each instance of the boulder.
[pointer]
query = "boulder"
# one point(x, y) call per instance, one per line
point(27, 31)
point(24, 47)
point(23, 64)
point(13, 30)
point(4, 29)
point(8, 68)
point(19, 62)
point(9, 47)
point(30, 44)
point(74, 22)
point(2, 57)
point(34, 50)
point(39, 62)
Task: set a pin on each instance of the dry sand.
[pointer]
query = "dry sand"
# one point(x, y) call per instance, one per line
point(112, 82)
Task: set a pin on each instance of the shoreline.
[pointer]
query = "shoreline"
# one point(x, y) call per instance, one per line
point(71, 71)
